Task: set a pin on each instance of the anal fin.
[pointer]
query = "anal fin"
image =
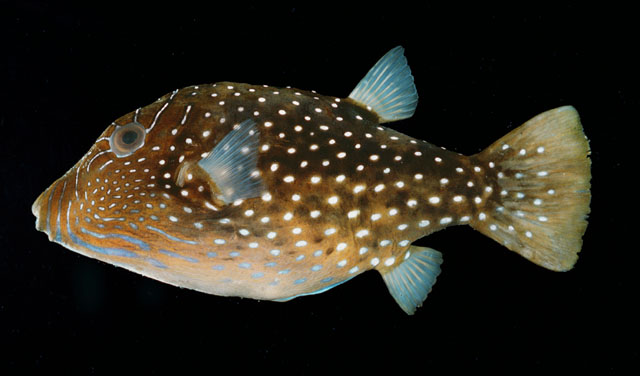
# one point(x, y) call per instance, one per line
point(411, 281)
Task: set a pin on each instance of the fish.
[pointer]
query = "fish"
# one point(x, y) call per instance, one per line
point(274, 193)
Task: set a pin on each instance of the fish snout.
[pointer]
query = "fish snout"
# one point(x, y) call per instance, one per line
point(45, 211)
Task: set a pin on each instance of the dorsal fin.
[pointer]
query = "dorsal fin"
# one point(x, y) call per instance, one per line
point(388, 88)
point(232, 164)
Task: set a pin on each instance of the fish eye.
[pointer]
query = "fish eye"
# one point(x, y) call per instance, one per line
point(127, 138)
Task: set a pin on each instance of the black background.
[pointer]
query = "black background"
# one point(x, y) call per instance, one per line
point(68, 70)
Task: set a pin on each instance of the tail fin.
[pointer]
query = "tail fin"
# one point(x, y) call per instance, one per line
point(543, 179)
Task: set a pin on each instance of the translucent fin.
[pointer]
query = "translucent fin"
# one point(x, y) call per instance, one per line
point(232, 164)
point(410, 282)
point(540, 206)
point(388, 88)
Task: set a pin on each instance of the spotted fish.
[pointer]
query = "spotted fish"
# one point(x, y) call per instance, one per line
point(275, 193)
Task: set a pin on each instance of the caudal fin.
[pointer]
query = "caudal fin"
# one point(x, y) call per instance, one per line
point(543, 174)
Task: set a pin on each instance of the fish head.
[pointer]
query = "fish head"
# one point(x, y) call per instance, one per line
point(142, 173)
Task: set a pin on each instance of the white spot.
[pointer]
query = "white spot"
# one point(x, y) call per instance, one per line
point(482, 216)
point(206, 133)
point(445, 220)
point(353, 213)
point(400, 184)
point(333, 200)
point(363, 250)
point(315, 214)
point(253, 245)
point(342, 154)
point(403, 226)
point(470, 184)
point(313, 147)
point(424, 223)
point(542, 218)
point(341, 247)
point(438, 159)
point(275, 252)
point(493, 227)
point(444, 181)
point(376, 216)
point(244, 232)
point(418, 176)
point(404, 243)
point(315, 179)
point(266, 197)
point(295, 197)
point(304, 164)
point(291, 150)
point(528, 234)
point(220, 241)
point(340, 178)
point(375, 261)
point(330, 231)
point(434, 200)
point(353, 270)
point(457, 198)
point(477, 169)
point(289, 179)
point(173, 219)
point(379, 187)
point(297, 231)
point(342, 263)
point(358, 188)
point(282, 112)
point(374, 157)
point(537, 202)
point(523, 152)
point(268, 124)
point(540, 149)
point(249, 213)
point(362, 233)
point(411, 203)
point(271, 235)
point(393, 212)
point(385, 243)
point(288, 216)
point(389, 261)
point(264, 219)
point(477, 200)
point(543, 173)
point(551, 191)
point(301, 243)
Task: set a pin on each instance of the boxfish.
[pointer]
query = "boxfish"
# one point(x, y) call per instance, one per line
point(274, 193)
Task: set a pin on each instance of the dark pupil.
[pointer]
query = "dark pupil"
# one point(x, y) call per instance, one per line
point(129, 137)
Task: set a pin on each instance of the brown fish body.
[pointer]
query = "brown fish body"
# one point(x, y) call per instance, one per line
point(331, 194)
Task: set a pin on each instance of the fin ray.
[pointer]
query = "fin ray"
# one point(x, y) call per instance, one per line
point(542, 204)
point(232, 164)
point(388, 88)
point(411, 281)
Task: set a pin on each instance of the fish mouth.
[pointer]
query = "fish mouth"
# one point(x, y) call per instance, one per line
point(46, 208)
